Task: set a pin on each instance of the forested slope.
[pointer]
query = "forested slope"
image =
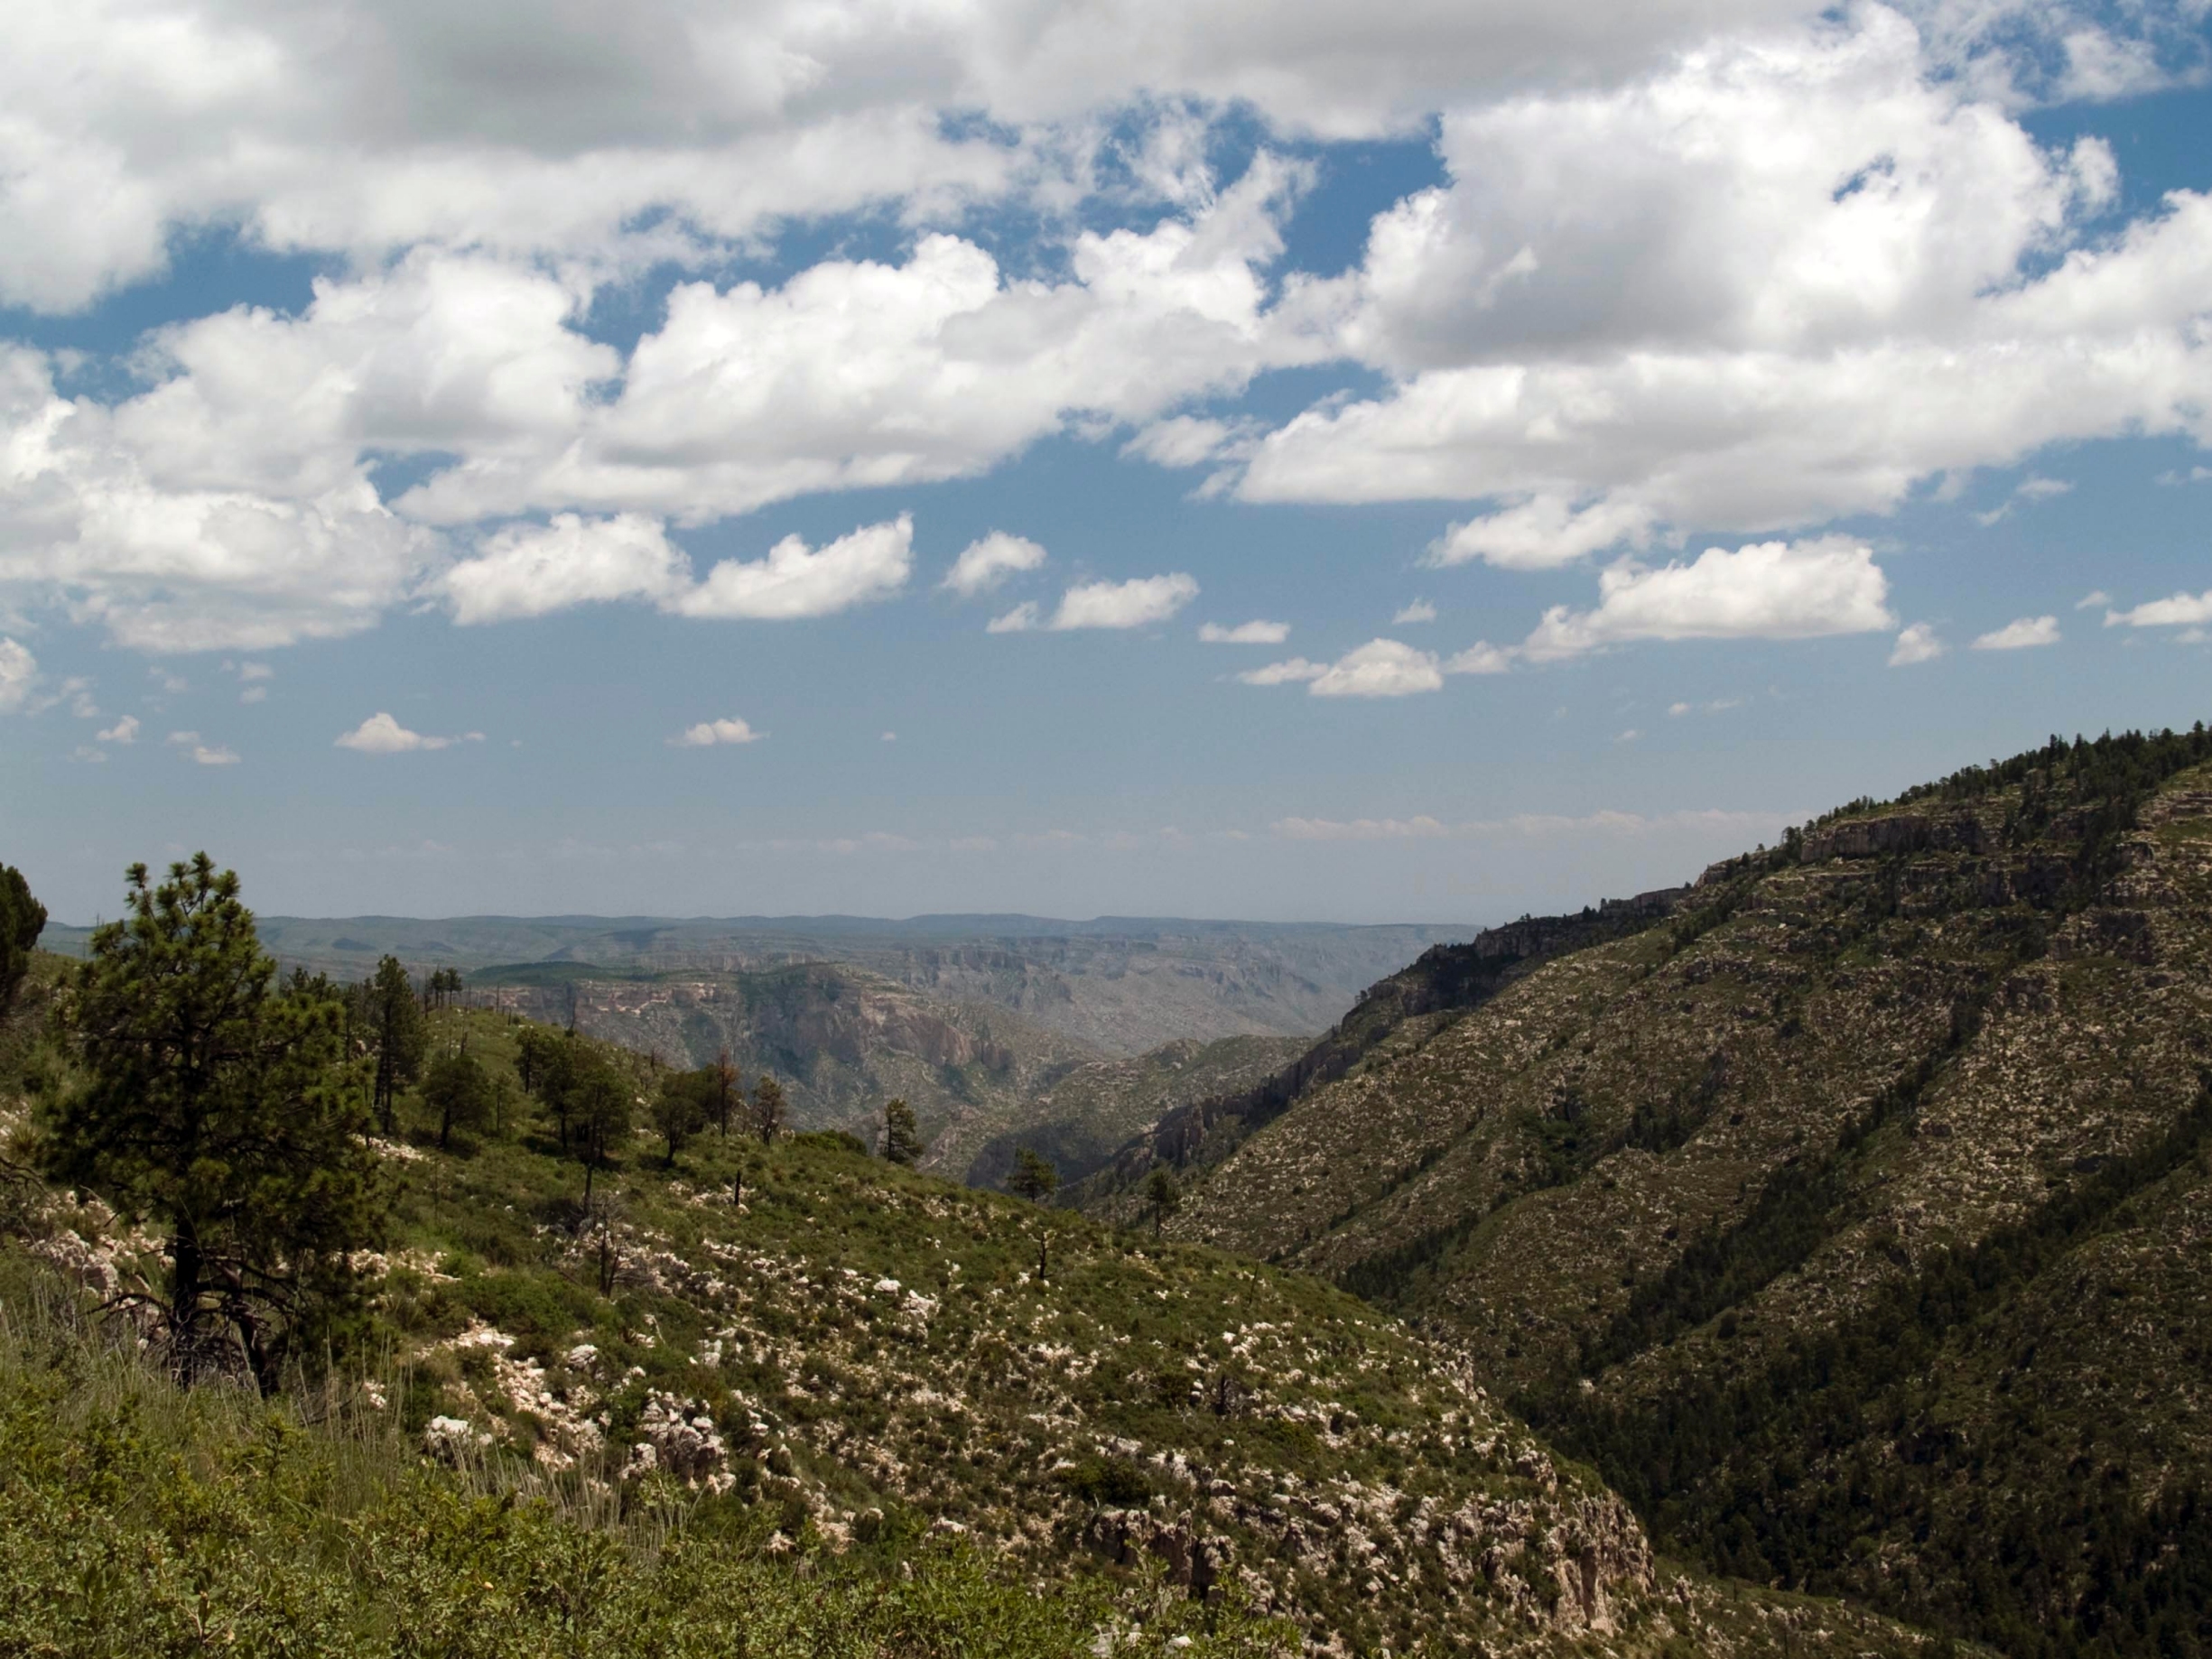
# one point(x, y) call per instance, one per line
point(1855, 1220)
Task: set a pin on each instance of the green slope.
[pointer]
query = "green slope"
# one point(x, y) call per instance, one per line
point(846, 1367)
point(1853, 1219)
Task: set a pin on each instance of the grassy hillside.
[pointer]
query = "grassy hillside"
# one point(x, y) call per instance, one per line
point(1853, 1219)
point(1080, 1119)
point(800, 1355)
point(136, 1518)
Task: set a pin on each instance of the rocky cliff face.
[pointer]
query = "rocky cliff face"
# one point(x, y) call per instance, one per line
point(841, 1041)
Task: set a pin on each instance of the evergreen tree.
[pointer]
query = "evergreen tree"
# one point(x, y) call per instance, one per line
point(547, 1062)
point(902, 1136)
point(219, 1109)
point(1034, 1177)
point(769, 1109)
point(729, 1089)
point(683, 1106)
point(400, 1038)
point(599, 1103)
point(460, 1092)
point(1164, 1194)
point(21, 920)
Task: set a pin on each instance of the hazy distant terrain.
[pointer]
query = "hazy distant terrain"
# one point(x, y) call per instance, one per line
point(974, 1019)
point(1120, 984)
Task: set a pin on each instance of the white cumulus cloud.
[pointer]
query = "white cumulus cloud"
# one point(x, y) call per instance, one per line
point(19, 672)
point(2022, 634)
point(1245, 633)
point(797, 580)
point(2181, 611)
point(380, 734)
point(202, 754)
point(1766, 590)
point(533, 570)
point(1480, 658)
point(1134, 604)
point(1287, 672)
point(709, 733)
point(1379, 668)
point(984, 563)
point(125, 730)
point(1916, 644)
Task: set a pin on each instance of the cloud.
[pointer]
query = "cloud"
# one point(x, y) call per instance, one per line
point(795, 580)
point(2021, 635)
point(380, 734)
point(983, 564)
point(674, 134)
point(1542, 533)
point(202, 753)
point(1134, 604)
point(1628, 311)
point(1019, 620)
point(2182, 610)
point(1379, 668)
point(1766, 590)
point(19, 672)
point(1287, 672)
point(1480, 658)
point(2195, 475)
point(1625, 309)
point(1245, 633)
point(709, 733)
point(1188, 440)
point(234, 503)
point(2091, 601)
point(1916, 644)
point(125, 730)
point(1420, 610)
point(1631, 735)
point(533, 570)
point(2032, 489)
point(1421, 828)
point(256, 670)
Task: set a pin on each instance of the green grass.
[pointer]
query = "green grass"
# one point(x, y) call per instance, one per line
point(137, 1518)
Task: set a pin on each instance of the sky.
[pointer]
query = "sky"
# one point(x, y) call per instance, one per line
point(1417, 461)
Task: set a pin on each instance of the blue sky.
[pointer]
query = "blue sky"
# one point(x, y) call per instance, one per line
point(457, 463)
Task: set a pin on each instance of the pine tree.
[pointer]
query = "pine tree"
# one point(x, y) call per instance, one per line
point(1163, 1194)
point(400, 1038)
point(902, 1136)
point(21, 920)
point(217, 1107)
point(683, 1106)
point(1034, 1177)
point(599, 1104)
point(460, 1092)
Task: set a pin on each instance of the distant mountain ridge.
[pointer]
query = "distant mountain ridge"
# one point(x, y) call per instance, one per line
point(1123, 986)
